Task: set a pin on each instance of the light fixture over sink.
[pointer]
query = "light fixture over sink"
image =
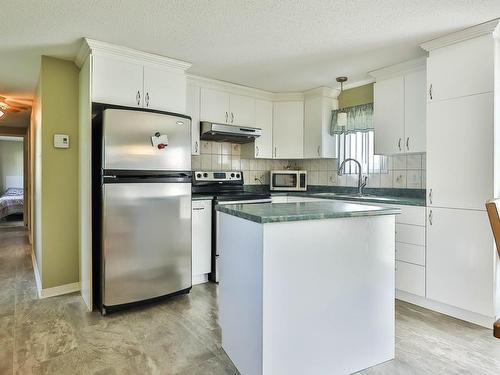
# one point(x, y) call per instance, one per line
point(341, 115)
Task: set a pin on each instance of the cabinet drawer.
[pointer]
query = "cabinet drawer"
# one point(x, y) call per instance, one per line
point(410, 253)
point(410, 278)
point(411, 234)
point(412, 215)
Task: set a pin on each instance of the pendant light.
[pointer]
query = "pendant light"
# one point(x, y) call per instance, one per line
point(341, 115)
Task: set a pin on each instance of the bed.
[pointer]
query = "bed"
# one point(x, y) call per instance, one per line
point(12, 200)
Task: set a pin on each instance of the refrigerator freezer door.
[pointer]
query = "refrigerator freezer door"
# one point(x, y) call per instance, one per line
point(146, 141)
point(146, 241)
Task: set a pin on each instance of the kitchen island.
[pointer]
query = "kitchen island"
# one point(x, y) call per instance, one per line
point(306, 288)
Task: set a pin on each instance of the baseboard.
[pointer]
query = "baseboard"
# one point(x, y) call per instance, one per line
point(61, 289)
point(455, 312)
point(38, 279)
point(51, 292)
point(200, 279)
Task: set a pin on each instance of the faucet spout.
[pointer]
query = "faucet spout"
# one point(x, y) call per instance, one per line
point(361, 180)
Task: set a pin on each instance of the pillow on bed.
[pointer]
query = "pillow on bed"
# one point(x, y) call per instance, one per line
point(13, 191)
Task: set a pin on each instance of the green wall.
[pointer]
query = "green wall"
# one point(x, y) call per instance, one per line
point(356, 96)
point(58, 171)
point(11, 160)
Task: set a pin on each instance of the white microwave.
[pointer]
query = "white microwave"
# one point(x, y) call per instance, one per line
point(288, 180)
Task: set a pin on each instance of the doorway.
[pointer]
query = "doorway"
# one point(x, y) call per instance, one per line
point(12, 182)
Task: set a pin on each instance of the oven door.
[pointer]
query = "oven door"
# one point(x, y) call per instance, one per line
point(284, 181)
point(214, 275)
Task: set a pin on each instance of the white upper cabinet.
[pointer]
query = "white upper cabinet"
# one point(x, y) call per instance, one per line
point(193, 110)
point(389, 116)
point(460, 69)
point(318, 142)
point(288, 130)
point(133, 83)
point(415, 111)
point(225, 108)
point(117, 81)
point(241, 110)
point(460, 152)
point(164, 89)
point(214, 106)
point(263, 145)
point(399, 117)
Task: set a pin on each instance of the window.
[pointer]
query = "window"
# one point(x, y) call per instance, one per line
point(359, 145)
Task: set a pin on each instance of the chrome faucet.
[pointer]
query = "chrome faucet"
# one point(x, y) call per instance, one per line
point(361, 179)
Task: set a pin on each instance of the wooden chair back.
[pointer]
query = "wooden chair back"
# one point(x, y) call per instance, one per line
point(492, 209)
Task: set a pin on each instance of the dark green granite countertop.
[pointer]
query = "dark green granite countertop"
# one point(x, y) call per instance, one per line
point(201, 197)
point(283, 212)
point(407, 201)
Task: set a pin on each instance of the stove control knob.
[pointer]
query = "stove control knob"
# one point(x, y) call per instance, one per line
point(237, 175)
point(198, 175)
point(205, 174)
point(232, 174)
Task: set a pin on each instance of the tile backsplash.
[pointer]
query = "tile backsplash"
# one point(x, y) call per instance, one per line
point(403, 171)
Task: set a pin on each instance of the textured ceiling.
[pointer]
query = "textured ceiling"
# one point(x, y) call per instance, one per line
point(280, 45)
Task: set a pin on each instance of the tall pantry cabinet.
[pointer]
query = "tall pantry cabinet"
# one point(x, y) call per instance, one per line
point(461, 162)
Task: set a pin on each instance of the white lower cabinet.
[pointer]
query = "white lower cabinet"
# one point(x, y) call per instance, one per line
point(410, 278)
point(460, 259)
point(201, 237)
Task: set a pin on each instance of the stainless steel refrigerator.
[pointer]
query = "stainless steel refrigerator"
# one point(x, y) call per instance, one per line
point(145, 223)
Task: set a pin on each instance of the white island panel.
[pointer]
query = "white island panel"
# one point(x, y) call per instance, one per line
point(307, 297)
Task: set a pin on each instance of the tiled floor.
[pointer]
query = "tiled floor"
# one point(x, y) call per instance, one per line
point(181, 336)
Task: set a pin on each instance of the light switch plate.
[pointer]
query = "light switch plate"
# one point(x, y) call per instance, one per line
point(61, 141)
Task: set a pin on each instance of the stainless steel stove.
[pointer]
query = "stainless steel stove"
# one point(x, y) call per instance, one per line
point(226, 187)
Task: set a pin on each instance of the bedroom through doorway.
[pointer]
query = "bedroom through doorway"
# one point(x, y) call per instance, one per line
point(12, 208)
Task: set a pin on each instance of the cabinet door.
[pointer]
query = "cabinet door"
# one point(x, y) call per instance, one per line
point(460, 152)
point(288, 130)
point(264, 121)
point(242, 110)
point(116, 81)
point(460, 259)
point(214, 106)
point(415, 111)
point(410, 278)
point(202, 237)
point(193, 110)
point(461, 69)
point(388, 116)
point(164, 89)
point(313, 118)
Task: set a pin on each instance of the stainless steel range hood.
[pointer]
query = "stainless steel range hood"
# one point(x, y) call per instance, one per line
point(228, 133)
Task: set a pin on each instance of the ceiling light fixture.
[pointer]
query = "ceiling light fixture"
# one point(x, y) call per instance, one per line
point(341, 115)
point(1, 113)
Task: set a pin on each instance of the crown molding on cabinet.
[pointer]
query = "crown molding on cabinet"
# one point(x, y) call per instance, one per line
point(490, 27)
point(95, 46)
point(322, 91)
point(399, 69)
point(234, 88)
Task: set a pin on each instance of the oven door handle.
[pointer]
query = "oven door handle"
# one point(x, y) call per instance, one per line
point(249, 201)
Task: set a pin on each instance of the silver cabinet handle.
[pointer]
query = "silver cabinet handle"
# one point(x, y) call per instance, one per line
point(232, 117)
point(227, 117)
point(138, 97)
point(147, 99)
point(408, 144)
point(275, 152)
point(430, 196)
point(319, 148)
point(196, 146)
point(430, 217)
point(399, 144)
point(257, 150)
point(430, 91)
